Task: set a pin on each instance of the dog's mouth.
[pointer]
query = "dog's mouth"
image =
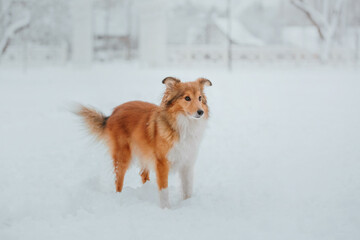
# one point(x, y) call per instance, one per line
point(195, 115)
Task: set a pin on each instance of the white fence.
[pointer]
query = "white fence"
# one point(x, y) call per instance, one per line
point(207, 54)
point(181, 55)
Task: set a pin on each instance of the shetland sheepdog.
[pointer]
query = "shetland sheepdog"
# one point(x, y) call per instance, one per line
point(162, 138)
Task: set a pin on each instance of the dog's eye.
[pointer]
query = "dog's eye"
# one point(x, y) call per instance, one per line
point(187, 98)
point(200, 98)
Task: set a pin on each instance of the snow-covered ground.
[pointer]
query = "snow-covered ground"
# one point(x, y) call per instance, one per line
point(280, 158)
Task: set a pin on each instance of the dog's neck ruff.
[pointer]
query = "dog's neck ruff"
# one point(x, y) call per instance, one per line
point(185, 150)
point(189, 127)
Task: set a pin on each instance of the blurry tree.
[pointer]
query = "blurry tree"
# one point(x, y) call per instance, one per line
point(14, 17)
point(229, 50)
point(50, 23)
point(325, 18)
point(39, 22)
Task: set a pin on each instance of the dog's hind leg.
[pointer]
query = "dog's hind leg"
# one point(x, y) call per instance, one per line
point(121, 157)
point(144, 173)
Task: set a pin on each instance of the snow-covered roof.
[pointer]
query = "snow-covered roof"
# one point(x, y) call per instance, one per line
point(239, 34)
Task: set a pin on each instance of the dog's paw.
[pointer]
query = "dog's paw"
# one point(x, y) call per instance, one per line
point(164, 198)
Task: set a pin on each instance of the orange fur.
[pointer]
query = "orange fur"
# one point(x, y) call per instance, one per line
point(146, 130)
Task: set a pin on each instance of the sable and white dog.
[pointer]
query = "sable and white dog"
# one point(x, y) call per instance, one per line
point(162, 137)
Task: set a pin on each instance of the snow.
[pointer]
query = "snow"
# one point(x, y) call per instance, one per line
point(239, 33)
point(303, 37)
point(279, 159)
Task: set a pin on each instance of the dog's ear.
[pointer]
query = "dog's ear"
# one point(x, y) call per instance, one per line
point(170, 81)
point(204, 82)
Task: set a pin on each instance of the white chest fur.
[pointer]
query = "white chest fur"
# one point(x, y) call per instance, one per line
point(185, 150)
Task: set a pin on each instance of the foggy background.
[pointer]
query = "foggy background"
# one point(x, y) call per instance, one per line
point(280, 158)
point(179, 33)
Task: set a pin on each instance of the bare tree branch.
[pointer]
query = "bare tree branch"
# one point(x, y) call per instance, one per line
point(312, 15)
point(11, 31)
point(325, 21)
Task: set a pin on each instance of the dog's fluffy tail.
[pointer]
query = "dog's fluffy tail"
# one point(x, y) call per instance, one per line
point(94, 120)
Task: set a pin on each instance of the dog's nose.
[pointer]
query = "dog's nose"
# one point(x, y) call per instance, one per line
point(200, 112)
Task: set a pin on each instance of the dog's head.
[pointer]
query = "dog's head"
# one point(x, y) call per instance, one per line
point(187, 98)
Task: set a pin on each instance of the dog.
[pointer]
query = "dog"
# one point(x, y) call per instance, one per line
point(162, 138)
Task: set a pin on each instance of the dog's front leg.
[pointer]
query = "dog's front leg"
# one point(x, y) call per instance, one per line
point(162, 173)
point(187, 176)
